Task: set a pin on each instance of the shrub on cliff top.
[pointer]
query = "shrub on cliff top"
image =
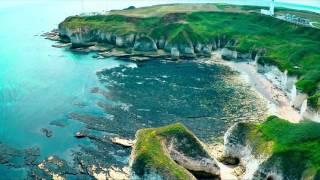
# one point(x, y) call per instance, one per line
point(314, 101)
point(300, 140)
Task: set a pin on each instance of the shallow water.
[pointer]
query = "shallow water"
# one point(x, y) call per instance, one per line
point(204, 97)
point(40, 84)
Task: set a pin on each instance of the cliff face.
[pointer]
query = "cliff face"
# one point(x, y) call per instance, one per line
point(182, 35)
point(287, 83)
point(87, 36)
point(192, 34)
point(239, 148)
point(144, 43)
point(171, 152)
point(271, 151)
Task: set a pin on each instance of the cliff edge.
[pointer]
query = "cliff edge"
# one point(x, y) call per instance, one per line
point(171, 152)
point(275, 149)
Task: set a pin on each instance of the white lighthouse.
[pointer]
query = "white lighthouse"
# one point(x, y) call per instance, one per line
point(269, 12)
point(272, 8)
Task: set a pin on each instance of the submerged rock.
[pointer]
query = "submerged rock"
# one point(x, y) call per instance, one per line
point(58, 123)
point(172, 152)
point(81, 134)
point(17, 158)
point(53, 167)
point(61, 45)
point(47, 132)
point(31, 155)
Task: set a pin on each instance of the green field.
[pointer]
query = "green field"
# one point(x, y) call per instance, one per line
point(317, 24)
point(288, 46)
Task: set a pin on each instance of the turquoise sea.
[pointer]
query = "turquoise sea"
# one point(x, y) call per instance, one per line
point(41, 86)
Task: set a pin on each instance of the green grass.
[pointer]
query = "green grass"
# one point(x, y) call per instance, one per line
point(150, 150)
point(297, 146)
point(288, 46)
point(314, 101)
point(294, 149)
point(317, 25)
point(298, 142)
point(160, 10)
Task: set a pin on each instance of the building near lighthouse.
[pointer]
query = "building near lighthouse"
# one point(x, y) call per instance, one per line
point(269, 12)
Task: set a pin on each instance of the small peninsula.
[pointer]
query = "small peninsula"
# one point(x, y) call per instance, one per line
point(172, 152)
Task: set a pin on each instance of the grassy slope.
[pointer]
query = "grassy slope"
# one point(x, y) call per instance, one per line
point(317, 25)
point(149, 150)
point(314, 100)
point(288, 46)
point(160, 10)
point(296, 144)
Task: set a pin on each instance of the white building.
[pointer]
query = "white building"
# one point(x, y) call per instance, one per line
point(269, 12)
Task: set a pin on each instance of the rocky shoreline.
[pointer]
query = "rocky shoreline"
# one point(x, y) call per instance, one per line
point(287, 101)
point(106, 48)
point(278, 101)
point(111, 47)
point(239, 156)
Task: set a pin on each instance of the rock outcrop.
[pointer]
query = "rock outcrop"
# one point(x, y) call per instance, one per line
point(204, 167)
point(270, 151)
point(238, 148)
point(145, 43)
point(47, 132)
point(84, 36)
point(171, 152)
point(229, 54)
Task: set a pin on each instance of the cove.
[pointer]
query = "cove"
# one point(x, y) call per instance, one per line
point(41, 85)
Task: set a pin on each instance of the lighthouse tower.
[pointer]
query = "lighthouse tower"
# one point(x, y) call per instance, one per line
point(269, 12)
point(272, 8)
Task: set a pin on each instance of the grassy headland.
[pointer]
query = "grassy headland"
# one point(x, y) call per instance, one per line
point(286, 150)
point(292, 149)
point(296, 145)
point(151, 154)
point(288, 46)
